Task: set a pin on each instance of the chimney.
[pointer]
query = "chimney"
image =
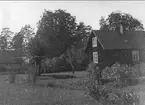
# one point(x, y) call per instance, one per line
point(121, 29)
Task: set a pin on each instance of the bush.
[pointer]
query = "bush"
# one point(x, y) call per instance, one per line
point(124, 74)
point(3, 69)
point(109, 93)
point(31, 75)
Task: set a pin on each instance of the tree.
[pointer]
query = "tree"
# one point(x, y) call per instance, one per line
point(103, 24)
point(5, 38)
point(18, 41)
point(28, 33)
point(115, 18)
point(55, 33)
point(75, 53)
point(22, 39)
point(58, 29)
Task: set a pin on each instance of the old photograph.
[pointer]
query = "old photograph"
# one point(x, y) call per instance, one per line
point(72, 53)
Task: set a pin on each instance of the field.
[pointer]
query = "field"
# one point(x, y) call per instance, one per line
point(21, 93)
point(52, 89)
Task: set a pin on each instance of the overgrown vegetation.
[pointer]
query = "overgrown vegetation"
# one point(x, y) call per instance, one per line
point(110, 93)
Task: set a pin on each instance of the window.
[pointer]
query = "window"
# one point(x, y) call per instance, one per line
point(135, 55)
point(94, 41)
point(95, 57)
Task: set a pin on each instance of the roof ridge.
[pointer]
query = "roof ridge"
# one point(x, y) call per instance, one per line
point(112, 39)
point(116, 31)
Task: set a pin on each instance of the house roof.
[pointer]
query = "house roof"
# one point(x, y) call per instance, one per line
point(114, 40)
point(9, 56)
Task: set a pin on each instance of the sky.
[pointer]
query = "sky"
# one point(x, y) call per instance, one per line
point(17, 14)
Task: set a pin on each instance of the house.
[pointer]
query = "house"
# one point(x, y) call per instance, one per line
point(10, 57)
point(107, 47)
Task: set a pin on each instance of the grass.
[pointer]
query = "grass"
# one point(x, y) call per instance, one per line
point(66, 91)
point(67, 80)
point(23, 94)
point(73, 84)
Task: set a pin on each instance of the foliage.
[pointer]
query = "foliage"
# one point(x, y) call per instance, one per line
point(125, 73)
point(18, 41)
point(31, 74)
point(57, 33)
point(75, 54)
point(57, 30)
point(54, 35)
point(109, 94)
point(22, 39)
point(57, 64)
point(115, 18)
point(5, 38)
point(3, 69)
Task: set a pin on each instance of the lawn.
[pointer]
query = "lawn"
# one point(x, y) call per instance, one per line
point(67, 80)
point(21, 93)
point(52, 89)
point(78, 81)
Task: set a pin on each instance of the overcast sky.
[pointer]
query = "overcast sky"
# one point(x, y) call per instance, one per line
point(16, 14)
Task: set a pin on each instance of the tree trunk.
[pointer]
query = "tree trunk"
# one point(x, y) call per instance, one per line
point(72, 65)
point(38, 63)
point(39, 70)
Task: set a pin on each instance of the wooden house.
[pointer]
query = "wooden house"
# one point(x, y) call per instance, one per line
point(108, 47)
point(10, 57)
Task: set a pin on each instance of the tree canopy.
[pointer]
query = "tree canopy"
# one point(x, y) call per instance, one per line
point(115, 18)
point(57, 31)
point(5, 38)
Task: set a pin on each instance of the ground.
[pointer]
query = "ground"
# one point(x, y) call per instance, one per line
point(64, 92)
point(24, 94)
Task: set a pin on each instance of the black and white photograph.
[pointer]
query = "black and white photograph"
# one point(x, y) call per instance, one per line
point(72, 52)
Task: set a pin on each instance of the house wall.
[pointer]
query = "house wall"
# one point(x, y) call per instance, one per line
point(122, 56)
point(109, 57)
point(100, 51)
point(89, 49)
point(142, 55)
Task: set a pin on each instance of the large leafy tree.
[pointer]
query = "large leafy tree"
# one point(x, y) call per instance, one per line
point(56, 31)
point(57, 28)
point(115, 18)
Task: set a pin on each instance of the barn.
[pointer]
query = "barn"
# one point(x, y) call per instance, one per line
point(108, 47)
point(11, 58)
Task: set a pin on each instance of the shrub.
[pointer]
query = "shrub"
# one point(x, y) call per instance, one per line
point(31, 75)
point(110, 94)
point(3, 69)
point(124, 74)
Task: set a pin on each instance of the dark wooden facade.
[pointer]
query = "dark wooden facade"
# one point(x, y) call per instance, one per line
point(107, 57)
point(10, 57)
